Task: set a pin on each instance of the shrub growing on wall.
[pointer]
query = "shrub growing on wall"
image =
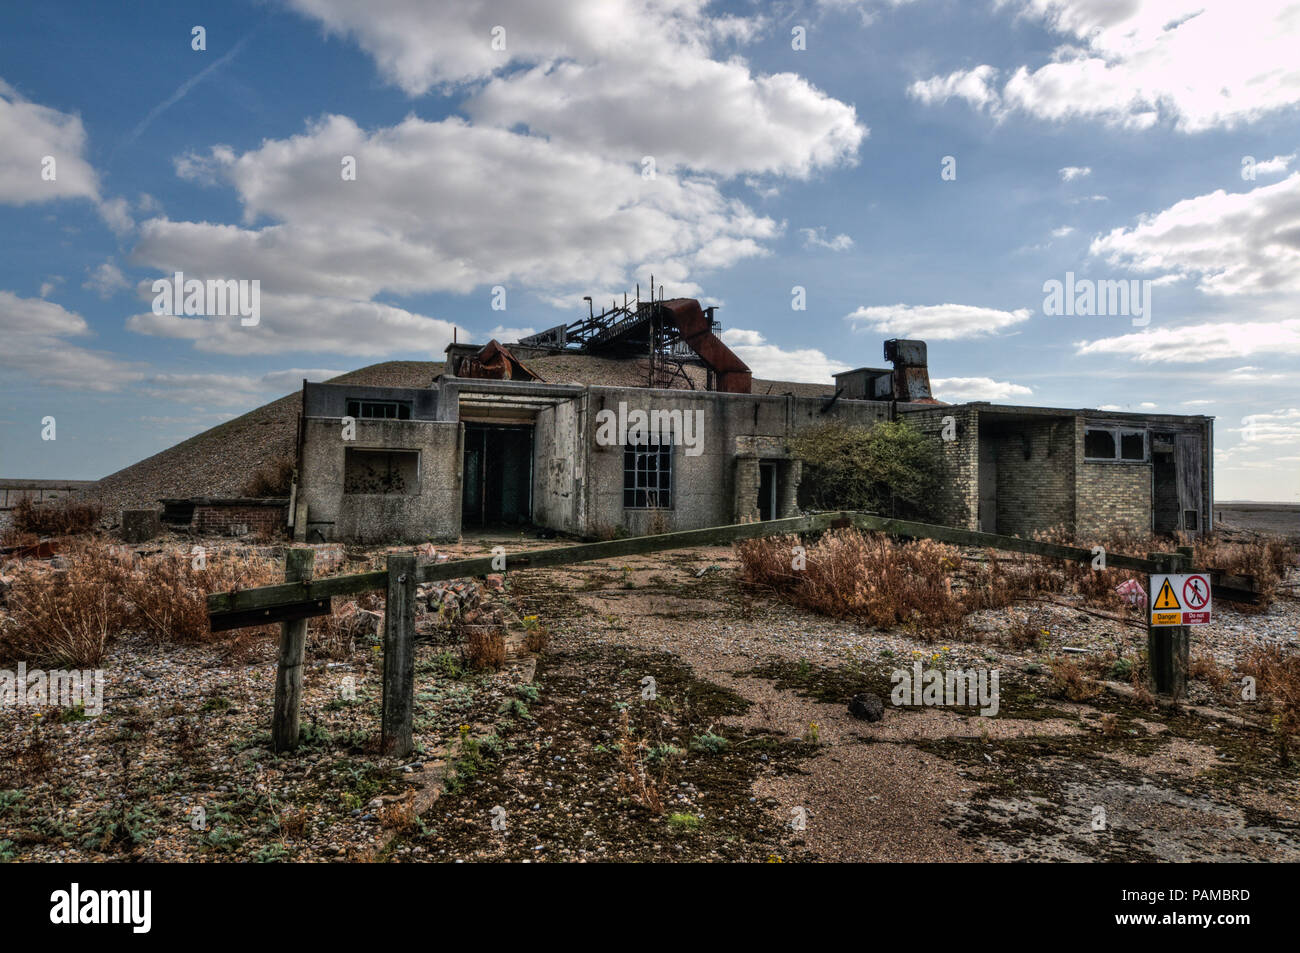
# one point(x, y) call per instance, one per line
point(890, 468)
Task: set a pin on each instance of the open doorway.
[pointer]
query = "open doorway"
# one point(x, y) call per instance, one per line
point(498, 475)
point(766, 490)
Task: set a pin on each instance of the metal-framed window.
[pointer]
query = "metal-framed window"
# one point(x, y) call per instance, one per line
point(648, 476)
point(379, 409)
point(1122, 444)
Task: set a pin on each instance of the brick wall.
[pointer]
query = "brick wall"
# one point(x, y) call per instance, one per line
point(1035, 475)
point(957, 501)
point(1110, 496)
point(239, 519)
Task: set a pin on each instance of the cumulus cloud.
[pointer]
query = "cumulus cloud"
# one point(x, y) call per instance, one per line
point(36, 138)
point(29, 133)
point(775, 363)
point(1234, 242)
point(958, 389)
point(592, 74)
point(940, 322)
point(816, 238)
point(1141, 62)
point(1198, 343)
point(106, 280)
point(497, 207)
point(1072, 172)
point(35, 332)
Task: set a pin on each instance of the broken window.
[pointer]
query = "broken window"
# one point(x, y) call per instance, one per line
point(379, 409)
point(1115, 443)
point(1098, 444)
point(1133, 444)
point(381, 471)
point(648, 476)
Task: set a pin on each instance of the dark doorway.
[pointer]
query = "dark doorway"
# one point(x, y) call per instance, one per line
point(498, 475)
point(766, 491)
point(1165, 516)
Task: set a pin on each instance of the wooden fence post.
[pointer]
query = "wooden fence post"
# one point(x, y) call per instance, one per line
point(399, 657)
point(1168, 647)
point(298, 564)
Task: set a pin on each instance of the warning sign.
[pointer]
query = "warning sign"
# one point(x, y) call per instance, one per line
point(1180, 599)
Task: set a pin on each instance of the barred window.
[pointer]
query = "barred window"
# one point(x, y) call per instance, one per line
point(379, 409)
point(648, 476)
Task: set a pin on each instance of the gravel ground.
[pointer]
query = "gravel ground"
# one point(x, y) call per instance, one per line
point(755, 756)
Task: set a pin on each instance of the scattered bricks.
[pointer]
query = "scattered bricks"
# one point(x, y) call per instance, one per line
point(496, 581)
point(330, 557)
point(140, 526)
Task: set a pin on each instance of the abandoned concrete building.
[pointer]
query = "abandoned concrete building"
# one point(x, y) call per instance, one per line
point(489, 441)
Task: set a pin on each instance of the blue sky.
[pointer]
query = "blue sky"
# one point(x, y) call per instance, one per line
point(1116, 141)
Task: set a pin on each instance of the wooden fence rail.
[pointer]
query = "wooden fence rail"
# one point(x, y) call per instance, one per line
point(301, 596)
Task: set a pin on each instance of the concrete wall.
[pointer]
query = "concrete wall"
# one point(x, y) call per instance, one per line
point(331, 400)
point(558, 476)
point(429, 511)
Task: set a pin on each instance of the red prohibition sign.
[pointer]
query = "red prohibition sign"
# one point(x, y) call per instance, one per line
point(1196, 592)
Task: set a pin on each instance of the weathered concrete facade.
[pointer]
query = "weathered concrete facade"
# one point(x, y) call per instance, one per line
point(387, 464)
point(1025, 470)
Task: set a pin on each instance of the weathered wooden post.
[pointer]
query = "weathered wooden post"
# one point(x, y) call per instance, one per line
point(1168, 647)
point(399, 656)
point(298, 564)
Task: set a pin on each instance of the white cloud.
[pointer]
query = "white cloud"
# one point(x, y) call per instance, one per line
point(30, 136)
point(106, 280)
point(940, 322)
point(1072, 172)
point(1236, 242)
point(958, 389)
point(816, 238)
point(509, 335)
point(35, 332)
point(974, 85)
point(593, 74)
point(774, 363)
point(1275, 165)
point(1198, 343)
point(29, 133)
point(1196, 65)
point(503, 208)
point(1062, 231)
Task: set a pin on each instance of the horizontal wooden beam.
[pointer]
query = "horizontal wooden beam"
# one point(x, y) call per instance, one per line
point(632, 546)
point(328, 586)
point(284, 612)
point(965, 537)
point(323, 588)
point(1235, 588)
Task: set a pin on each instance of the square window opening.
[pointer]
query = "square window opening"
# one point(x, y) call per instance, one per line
point(381, 472)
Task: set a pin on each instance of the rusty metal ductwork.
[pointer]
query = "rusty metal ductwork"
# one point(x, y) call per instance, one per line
point(911, 371)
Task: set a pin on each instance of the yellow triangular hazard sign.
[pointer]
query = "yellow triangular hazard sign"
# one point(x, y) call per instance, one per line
point(1166, 599)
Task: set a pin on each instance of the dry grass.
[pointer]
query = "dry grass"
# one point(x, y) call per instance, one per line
point(68, 617)
point(1277, 677)
point(922, 585)
point(1267, 558)
point(635, 779)
point(272, 480)
point(485, 647)
point(1069, 681)
point(65, 517)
